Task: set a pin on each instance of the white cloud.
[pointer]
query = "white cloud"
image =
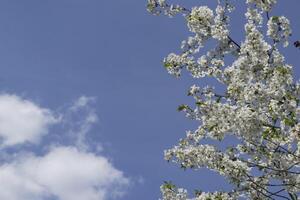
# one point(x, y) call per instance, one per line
point(64, 172)
point(82, 101)
point(22, 121)
point(79, 119)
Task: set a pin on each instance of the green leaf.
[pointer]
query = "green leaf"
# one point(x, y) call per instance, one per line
point(218, 197)
point(182, 107)
point(293, 196)
point(266, 133)
point(151, 7)
point(212, 127)
point(289, 122)
point(169, 185)
point(168, 65)
point(200, 103)
point(283, 70)
point(275, 19)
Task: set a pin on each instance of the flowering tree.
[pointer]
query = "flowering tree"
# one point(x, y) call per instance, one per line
point(260, 106)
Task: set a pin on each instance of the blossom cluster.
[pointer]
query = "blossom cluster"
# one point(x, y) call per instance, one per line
point(265, 5)
point(172, 193)
point(260, 105)
point(279, 29)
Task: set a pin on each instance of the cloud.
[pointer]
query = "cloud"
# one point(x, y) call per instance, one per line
point(65, 173)
point(89, 117)
point(22, 121)
point(82, 101)
point(69, 172)
point(79, 119)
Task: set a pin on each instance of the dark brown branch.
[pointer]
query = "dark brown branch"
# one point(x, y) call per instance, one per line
point(267, 191)
point(271, 168)
point(283, 148)
point(236, 44)
point(268, 17)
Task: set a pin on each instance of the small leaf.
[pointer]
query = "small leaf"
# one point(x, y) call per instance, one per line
point(198, 193)
point(200, 103)
point(266, 133)
point(212, 128)
point(293, 196)
point(168, 65)
point(182, 107)
point(169, 185)
point(275, 19)
point(289, 122)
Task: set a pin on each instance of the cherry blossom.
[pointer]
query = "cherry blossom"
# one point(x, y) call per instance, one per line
point(260, 105)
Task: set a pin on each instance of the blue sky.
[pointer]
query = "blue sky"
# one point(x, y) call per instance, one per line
point(76, 59)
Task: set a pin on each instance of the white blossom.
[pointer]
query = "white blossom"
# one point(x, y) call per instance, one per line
point(200, 20)
point(279, 29)
point(219, 29)
point(265, 5)
point(259, 105)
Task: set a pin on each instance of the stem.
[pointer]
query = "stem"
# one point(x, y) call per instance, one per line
point(268, 17)
point(283, 148)
point(267, 191)
point(231, 40)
